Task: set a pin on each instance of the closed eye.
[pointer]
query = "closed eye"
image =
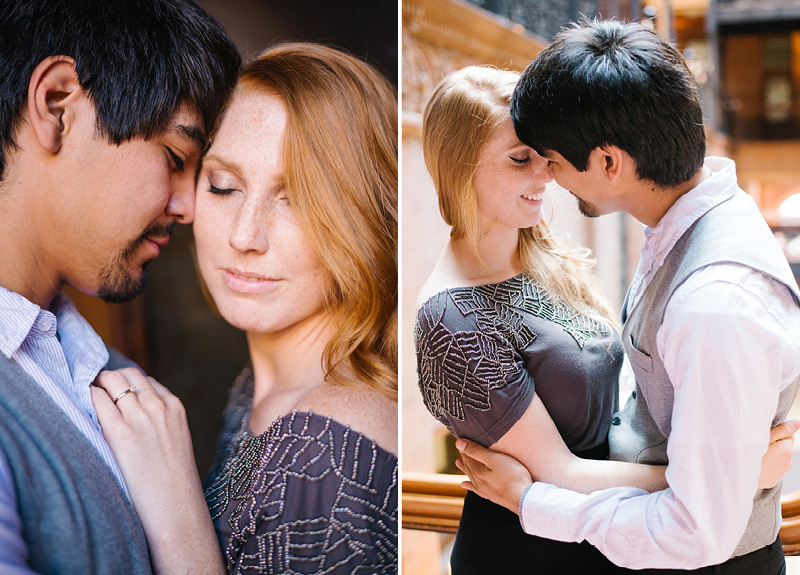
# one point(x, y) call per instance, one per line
point(219, 191)
point(177, 159)
point(280, 193)
point(520, 161)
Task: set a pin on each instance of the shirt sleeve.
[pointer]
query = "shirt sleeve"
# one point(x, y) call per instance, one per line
point(729, 348)
point(13, 550)
point(627, 380)
point(471, 375)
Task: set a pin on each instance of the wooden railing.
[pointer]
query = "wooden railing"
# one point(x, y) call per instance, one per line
point(790, 525)
point(433, 502)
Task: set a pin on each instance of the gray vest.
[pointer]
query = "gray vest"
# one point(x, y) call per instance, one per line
point(732, 232)
point(75, 516)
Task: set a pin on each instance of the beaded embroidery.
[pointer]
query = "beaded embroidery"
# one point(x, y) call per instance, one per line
point(343, 488)
point(461, 368)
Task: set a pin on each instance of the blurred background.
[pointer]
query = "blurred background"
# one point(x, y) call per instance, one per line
point(170, 330)
point(745, 56)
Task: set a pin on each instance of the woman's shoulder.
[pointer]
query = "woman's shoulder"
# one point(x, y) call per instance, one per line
point(447, 274)
point(487, 309)
point(438, 283)
point(370, 413)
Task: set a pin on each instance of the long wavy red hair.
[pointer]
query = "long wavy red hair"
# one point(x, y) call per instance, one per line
point(340, 158)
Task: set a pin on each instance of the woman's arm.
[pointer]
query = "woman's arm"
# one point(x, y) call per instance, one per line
point(149, 435)
point(536, 443)
point(503, 479)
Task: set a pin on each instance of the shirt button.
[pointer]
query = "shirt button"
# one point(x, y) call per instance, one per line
point(45, 323)
point(634, 394)
point(616, 421)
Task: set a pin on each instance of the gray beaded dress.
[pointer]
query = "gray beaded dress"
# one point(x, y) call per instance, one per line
point(309, 496)
point(481, 353)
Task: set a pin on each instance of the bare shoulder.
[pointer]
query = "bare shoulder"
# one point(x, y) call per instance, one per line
point(445, 275)
point(368, 412)
point(433, 286)
point(457, 271)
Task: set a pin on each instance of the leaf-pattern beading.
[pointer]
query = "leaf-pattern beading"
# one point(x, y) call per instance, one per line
point(342, 475)
point(459, 369)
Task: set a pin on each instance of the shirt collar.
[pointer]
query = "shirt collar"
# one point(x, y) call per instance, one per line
point(78, 339)
point(688, 208)
point(18, 317)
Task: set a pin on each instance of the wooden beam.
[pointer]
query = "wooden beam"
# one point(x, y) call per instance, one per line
point(432, 501)
point(459, 26)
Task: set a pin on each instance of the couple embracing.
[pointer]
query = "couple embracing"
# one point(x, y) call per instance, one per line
point(519, 352)
point(118, 120)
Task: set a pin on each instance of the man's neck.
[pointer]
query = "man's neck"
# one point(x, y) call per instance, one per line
point(656, 201)
point(23, 266)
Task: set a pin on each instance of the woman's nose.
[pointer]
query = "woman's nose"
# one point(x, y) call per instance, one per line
point(249, 231)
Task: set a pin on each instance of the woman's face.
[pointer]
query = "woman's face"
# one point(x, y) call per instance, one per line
point(509, 181)
point(258, 264)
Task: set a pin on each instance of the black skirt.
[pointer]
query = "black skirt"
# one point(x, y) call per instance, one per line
point(490, 541)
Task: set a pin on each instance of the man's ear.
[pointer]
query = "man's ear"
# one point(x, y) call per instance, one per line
point(611, 160)
point(53, 89)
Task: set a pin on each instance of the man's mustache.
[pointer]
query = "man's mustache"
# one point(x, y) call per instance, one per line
point(154, 230)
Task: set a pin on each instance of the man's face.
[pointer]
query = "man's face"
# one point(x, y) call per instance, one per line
point(118, 203)
point(585, 186)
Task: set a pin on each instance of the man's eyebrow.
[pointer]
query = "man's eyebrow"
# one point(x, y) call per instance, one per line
point(191, 132)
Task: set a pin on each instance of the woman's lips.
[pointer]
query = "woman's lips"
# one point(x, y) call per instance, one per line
point(536, 198)
point(246, 282)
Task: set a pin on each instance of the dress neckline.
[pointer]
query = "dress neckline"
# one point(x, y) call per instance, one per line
point(322, 421)
point(521, 276)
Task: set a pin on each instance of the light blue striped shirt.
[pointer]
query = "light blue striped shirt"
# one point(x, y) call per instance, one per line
point(63, 354)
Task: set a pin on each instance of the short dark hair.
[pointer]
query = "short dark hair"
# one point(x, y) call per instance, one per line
point(612, 83)
point(138, 60)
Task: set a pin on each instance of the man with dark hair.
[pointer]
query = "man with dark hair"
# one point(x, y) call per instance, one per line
point(105, 108)
point(711, 320)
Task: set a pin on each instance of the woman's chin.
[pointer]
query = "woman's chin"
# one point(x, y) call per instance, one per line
point(272, 320)
point(249, 322)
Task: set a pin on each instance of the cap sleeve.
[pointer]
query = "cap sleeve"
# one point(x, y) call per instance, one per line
point(471, 373)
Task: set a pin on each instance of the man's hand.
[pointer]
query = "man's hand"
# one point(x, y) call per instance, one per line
point(778, 458)
point(494, 476)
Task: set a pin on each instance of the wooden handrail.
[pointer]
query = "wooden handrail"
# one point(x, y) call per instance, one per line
point(790, 525)
point(433, 502)
point(434, 484)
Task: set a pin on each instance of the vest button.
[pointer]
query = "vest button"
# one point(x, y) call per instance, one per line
point(634, 394)
point(616, 421)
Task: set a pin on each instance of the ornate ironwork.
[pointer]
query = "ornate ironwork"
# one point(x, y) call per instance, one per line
point(542, 17)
